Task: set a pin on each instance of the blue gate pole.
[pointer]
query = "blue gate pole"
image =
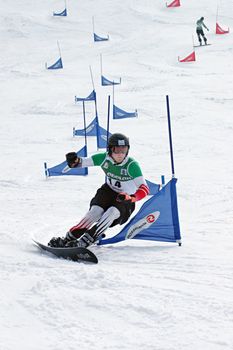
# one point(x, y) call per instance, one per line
point(85, 125)
point(170, 136)
point(108, 121)
point(97, 121)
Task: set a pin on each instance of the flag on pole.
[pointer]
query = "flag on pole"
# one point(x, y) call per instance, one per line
point(99, 38)
point(219, 30)
point(57, 65)
point(107, 82)
point(153, 187)
point(91, 129)
point(119, 113)
point(61, 14)
point(91, 97)
point(175, 3)
point(157, 220)
point(102, 137)
point(189, 58)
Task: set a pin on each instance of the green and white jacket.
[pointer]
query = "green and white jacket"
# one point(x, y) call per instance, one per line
point(124, 177)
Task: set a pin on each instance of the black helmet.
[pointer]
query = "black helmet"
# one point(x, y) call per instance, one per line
point(117, 140)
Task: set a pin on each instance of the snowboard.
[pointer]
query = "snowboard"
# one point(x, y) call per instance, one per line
point(201, 45)
point(73, 253)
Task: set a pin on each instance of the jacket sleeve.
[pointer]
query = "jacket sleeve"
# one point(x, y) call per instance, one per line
point(140, 183)
point(95, 160)
point(142, 191)
point(204, 26)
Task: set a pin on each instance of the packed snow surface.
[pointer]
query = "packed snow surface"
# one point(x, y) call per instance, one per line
point(141, 295)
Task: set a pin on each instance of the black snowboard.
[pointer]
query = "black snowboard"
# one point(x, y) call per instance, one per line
point(201, 45)
point(73, 253)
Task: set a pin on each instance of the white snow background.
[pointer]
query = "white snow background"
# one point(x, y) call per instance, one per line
point(141, 295)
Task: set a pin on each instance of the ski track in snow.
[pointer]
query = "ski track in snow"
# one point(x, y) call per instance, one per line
point(141, 295)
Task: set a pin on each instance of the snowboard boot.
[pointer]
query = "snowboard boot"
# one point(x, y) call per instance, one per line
point(61, 242)
point(82, 242)
point(75, 233)
point(88, 237)
point(57, 242)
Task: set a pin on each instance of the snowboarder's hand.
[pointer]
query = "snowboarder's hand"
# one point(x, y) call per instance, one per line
point(207, 29)
point(72, 159)
point(124, 197)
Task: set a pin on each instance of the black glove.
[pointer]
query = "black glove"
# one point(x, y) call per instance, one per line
point(72, 159)
point(124, 197)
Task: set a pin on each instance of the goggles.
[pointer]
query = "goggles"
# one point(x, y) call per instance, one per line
point(120, 149)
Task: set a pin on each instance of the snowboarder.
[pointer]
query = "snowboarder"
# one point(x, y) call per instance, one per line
point(114, 201)
point(199, 30)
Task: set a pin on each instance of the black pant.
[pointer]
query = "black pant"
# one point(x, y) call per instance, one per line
point(200, 34)
point(105, 198)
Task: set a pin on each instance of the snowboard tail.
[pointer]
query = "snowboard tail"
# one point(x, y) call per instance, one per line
point(70, 253)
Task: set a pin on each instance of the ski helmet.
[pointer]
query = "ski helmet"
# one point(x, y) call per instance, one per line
point(117, 140)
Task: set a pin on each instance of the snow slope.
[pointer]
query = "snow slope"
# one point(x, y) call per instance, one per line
point(141, 295)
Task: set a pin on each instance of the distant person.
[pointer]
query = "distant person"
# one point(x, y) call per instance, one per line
point(199, 30)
